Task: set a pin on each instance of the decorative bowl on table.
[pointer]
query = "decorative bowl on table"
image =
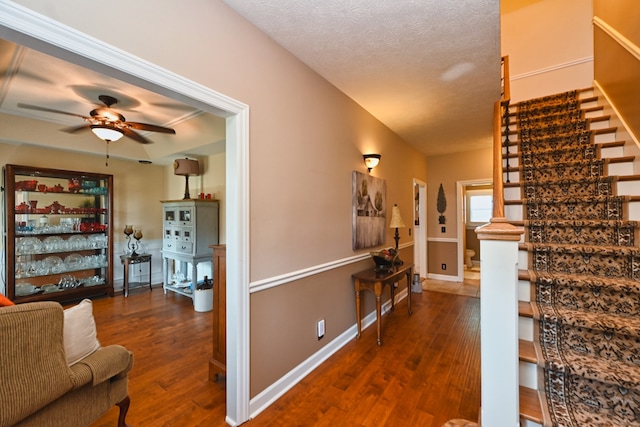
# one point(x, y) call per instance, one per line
point(384, 259)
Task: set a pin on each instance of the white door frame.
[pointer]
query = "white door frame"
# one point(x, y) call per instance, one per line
point(29, 28)
point(420, 231)
point(461, 229)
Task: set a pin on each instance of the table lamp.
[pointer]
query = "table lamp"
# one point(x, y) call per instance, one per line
point(186, 167)
point(396, 222)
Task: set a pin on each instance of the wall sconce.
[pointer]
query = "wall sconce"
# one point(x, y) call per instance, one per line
point(186, 167)
point(371, 160)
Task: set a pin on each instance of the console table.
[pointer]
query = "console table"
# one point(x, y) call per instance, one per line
point(127, 260)
point(375, 281)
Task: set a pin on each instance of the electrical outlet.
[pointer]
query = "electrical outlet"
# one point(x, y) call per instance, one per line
point(320, 328)
point(444, 266)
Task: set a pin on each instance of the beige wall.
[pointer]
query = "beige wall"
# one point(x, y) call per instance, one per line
point(448, 170)
point(550, 45)
point(306, 138)
point(617, 68)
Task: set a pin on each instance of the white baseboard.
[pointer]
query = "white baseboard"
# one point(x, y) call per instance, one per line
point(260, 402)
point(444, 277)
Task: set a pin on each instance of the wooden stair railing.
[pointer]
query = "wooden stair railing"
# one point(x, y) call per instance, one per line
point(498, 329)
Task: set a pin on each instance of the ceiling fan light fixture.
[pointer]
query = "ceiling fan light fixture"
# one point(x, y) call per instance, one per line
point(107, 133)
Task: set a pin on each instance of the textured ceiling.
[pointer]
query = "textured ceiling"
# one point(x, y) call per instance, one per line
point(428, 69)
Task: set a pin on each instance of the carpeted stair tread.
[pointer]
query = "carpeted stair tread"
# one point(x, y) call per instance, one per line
point(586, 187)
point(581, 249)
point(555, 141)
point(572, 180)
point(588, 208)
point(616, 373)
point(594, 169)
point(573, 162)
point(582, 232)
point(575, 280)
point(568, 163)
point(588, 293)
point(580, 223)
point(603, 322)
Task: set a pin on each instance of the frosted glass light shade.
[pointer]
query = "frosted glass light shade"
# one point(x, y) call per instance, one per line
point(106, 133)
point(371, 160)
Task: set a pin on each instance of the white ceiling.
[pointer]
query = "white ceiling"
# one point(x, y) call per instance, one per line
point(428, 69)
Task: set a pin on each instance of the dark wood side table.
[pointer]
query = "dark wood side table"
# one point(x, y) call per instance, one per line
point(127, 260)
point(375, 282)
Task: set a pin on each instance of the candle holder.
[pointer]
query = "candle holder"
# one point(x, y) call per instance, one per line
point(133, 245)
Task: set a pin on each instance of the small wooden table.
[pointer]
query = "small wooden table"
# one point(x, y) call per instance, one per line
point(374, 282)
point(127, 260)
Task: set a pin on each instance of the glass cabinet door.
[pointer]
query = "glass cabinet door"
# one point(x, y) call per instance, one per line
point(59, 237)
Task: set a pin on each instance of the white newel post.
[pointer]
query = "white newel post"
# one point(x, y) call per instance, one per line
point(499, 323)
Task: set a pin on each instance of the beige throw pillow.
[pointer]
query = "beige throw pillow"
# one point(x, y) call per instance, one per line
point(80, 336)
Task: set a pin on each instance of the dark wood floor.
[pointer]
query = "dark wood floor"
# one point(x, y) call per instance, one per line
point(427, 371)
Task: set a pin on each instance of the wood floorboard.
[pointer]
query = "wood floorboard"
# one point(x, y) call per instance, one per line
point(426, 372)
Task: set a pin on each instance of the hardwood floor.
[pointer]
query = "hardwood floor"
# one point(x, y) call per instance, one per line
point(427, 371)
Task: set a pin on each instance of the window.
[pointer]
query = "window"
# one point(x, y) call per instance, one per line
point(479, 206)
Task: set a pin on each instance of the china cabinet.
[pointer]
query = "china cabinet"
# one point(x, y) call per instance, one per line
point(59, 234)
point(190, 226)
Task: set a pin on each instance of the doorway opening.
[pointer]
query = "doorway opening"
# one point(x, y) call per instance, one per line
point(476, 204)
point(35, 31)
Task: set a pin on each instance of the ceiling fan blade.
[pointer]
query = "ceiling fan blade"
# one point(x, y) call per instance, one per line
point(135, 136)
point(75, 129)
point(150, 128)
point(50, 110)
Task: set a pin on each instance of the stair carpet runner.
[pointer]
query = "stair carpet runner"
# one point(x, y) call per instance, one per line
point(584, 268)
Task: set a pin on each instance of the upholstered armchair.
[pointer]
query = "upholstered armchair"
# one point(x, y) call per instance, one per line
point(40, 385)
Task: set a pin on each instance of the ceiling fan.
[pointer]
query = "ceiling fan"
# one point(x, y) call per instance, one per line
point(106, 123)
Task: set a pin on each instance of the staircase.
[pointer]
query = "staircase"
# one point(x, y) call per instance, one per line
point(570, 182)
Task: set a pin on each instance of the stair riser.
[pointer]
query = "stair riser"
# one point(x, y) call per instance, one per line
point(524, 289)
point(633, 211)
point(528, 373)
point(525, 328)
point(620, 169)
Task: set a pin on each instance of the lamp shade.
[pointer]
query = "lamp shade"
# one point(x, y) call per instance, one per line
point(106, 133)
point(186, 167)
point(396, 219)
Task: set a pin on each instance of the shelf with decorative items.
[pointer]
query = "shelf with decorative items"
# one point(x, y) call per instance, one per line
point(190, 226)
point(59, 234)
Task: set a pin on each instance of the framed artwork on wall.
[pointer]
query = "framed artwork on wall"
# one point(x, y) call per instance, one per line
point(369, 211)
